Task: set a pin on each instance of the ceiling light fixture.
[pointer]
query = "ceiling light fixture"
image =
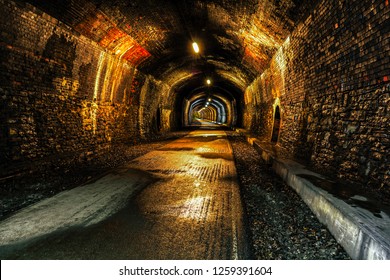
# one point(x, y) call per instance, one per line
point(208, 81)
point(196, 47)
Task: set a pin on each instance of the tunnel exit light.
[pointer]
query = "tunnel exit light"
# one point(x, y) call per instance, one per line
point(196, 47)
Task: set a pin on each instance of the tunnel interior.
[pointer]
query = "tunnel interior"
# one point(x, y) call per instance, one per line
point(203, 97)
point(81, 79)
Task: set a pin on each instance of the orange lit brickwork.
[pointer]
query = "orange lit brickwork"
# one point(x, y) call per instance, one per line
point(332, 81)
point(99, 28)
point(65, 99)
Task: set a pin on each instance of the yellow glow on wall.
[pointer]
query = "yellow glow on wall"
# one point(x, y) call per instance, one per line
point(276, 103)
point(257, 36)
point(280, 60)
point(98, 74)
point(126, 50)
point(286, 42)
point(94, 106)
point(123, 46)
point(107, 78)
point(279, 68)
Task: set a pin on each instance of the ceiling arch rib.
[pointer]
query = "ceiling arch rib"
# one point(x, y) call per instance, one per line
point(198, 111)
point(237, 37)
point(237, 40)
point(199, 102)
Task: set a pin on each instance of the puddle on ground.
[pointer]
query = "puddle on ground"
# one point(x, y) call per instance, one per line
point(353, 195)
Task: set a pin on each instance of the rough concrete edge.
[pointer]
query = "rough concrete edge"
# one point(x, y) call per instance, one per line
point(359, 241)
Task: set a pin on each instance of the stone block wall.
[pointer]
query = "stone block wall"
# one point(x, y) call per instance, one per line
point(152, 121)
point(63, 97)
point(331, 80)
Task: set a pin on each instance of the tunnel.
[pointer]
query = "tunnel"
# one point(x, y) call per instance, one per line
point(305, 83)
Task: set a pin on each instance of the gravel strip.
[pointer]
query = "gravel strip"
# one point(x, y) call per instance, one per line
point(280, 224)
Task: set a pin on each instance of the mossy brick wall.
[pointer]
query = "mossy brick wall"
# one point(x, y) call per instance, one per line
point(331, 79)
point(63, 98)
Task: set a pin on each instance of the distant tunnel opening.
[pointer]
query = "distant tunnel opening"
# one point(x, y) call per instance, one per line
point(220, 103)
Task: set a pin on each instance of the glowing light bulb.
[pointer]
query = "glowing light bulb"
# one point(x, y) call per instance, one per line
point(196, 47)
point(208, 81)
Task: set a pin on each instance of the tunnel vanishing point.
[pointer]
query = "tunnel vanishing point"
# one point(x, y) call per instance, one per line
point(82, 79)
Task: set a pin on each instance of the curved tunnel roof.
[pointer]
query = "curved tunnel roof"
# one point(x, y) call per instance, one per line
point(236, 38)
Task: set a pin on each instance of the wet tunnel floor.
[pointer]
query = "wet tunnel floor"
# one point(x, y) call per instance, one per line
point(191, 209)
point(186, 205)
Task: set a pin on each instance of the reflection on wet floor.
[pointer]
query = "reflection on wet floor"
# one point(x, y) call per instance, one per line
point(192, 211)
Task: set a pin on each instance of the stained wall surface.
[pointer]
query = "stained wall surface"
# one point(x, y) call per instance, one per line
point(330, 80)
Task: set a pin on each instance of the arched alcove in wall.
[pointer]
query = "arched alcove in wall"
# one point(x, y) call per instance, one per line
point(276, 126)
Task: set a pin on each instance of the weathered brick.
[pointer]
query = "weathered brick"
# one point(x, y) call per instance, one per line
point(64, 95)
point(332, 85)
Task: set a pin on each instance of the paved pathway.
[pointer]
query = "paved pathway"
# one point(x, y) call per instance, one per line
point(187, 206)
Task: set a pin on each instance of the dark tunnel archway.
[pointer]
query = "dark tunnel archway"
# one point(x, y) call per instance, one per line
point(200, 105)
point(81, 78)
point(222, 95)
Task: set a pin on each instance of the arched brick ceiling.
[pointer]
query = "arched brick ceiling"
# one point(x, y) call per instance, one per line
point(236, 37)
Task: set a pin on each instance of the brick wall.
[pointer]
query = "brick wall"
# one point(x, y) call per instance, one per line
point(331, 79)
point(63, 97)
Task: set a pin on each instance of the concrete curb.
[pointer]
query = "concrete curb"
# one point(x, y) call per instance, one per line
point(362, 234)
